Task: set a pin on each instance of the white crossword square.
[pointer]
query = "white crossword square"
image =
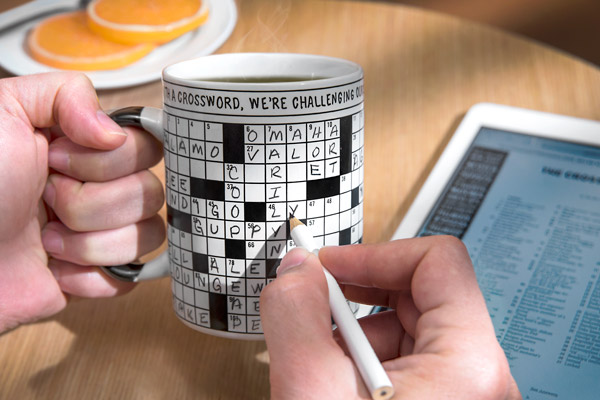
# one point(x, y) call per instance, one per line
point(296, 191)
point(316, 226)
point(236, 286)
point(345, 201)
point(234, 211)
point(214, 151)
point(218, 284)
point(234, 230)
point(345, 220)
point(234, 172)
point(276, 173)
point(315, 131)
point(254, 153)
point(216, 247)
point(275, 153)
point(276, 192)
point(198, 207)
point(275, 134)
point(296, 172)
point(315, 208)
point(215, 228)
point(184, 203)
point(182, 126)
point(199, 244)
point(236, 304)
point(213, 132)
point(332, 239)
point(332, 223)
point(256, 231)
point(216, 265)
point(214, 171)
point(183, 146)
point(196, 130)
point(276, 230)
point(296, 152)
point(254, 192)
point(316, 151)
point(184, 184)
point(296, 133)
point(255, 249)
point(254, 173)
point(255, 268)
point(332, 205)
point(234, 191)
point(198, 169)
point(332, 167)
point(254, 134)
point(197, 149)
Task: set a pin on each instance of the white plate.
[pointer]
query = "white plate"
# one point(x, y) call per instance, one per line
point(202, 41)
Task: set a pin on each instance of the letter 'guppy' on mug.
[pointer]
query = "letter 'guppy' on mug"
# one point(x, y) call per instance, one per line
point(248, 140)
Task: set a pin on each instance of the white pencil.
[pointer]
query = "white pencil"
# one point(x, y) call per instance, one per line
point(376, 379)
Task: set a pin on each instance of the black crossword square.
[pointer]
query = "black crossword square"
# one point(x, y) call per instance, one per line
point(354, 197)
point(235, 248)
point(346, 145)
point(345, 236)
point(233, 143)
point(218, 311)
point(255, 211)
point(200, 262)
point(322, 188)
point(208, 189)
point(179, 220)
point(271, 266)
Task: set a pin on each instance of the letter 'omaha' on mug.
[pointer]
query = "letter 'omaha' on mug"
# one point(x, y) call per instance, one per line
point(250, 139)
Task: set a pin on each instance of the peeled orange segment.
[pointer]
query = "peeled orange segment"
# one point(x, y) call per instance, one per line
point(145, 21)
point(65, 41)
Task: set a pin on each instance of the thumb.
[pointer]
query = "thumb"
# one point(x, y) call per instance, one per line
point(67, 99)
point(296, 320)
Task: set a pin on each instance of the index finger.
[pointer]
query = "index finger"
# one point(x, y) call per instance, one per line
point(437, 270)
point(67, 99)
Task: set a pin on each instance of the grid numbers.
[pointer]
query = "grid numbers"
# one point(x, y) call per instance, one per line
point(230, 191)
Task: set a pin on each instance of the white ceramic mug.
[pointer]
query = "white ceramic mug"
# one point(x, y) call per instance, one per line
point(248, 140)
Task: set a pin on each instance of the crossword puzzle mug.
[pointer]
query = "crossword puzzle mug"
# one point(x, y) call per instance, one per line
point(248, 140)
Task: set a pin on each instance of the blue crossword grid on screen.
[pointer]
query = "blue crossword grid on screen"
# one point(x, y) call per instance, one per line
point(230, 190)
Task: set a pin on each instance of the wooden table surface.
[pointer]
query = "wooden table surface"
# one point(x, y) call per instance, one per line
point(422, 72)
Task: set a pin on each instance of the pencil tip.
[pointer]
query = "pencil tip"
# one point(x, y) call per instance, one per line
point(294, 222)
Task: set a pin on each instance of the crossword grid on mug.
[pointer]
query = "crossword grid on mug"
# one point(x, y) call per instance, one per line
point(230, 191)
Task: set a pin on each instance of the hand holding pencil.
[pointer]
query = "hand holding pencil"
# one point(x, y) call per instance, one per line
point(437, 342)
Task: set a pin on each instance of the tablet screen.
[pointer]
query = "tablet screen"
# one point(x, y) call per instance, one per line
point(528, 210)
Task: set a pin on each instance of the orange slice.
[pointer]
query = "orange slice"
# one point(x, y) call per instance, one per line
point(145, 21)
point(65, 41)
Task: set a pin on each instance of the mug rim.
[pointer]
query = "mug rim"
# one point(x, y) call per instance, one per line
point(332, 71)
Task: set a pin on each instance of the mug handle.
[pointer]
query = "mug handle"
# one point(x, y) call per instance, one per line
point(151, 120)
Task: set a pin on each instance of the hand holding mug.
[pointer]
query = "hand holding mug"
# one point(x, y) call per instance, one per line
point(99, 200)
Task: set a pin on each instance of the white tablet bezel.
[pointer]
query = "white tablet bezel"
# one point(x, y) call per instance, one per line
point(495, 116)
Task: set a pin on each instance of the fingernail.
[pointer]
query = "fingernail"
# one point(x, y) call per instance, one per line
point(49, 194)
point(58, 158)
point(53, 242)
point(111, 126)
point(293, 259)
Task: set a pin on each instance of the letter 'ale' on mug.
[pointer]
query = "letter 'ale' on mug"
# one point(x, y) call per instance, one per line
point(250, 139)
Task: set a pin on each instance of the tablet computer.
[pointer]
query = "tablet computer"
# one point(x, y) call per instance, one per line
point(521, 188)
